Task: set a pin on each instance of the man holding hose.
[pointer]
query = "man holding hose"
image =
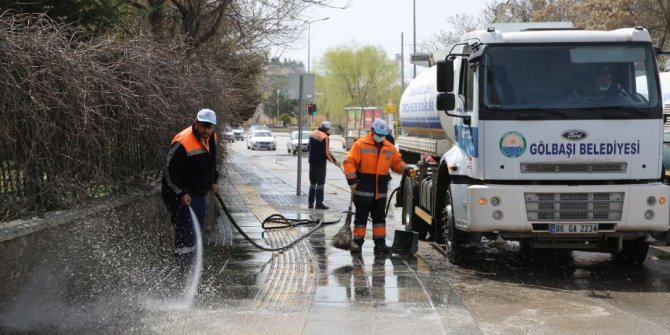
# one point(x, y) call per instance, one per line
point(188, 175)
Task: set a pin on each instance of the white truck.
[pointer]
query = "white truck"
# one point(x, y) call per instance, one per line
point(519, 141)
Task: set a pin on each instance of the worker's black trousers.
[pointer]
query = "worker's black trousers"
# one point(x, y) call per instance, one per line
point(180, 216)
point(317, 179)
point(373, 208)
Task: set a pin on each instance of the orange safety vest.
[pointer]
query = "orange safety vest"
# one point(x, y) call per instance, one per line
point(190, 165)
point(367, 165)
point(191, 143)
point(319, 148)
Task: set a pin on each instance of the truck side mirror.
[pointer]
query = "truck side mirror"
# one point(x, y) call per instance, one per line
point(445, 76)
point(446, 101)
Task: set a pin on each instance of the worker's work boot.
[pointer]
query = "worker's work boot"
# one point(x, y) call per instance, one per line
point(321, 206)
point(310, 206)
point(356, 246)
point(382, 250)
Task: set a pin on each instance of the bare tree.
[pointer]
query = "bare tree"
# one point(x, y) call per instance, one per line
point(589, 14)
point(250, 24)
point(460, 24)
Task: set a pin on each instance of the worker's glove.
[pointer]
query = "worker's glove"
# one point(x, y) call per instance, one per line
point(353, 187)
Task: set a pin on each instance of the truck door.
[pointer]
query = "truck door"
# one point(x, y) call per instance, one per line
point(466, 129)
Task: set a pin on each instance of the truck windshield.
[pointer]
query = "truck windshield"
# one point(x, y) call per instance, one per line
point(584, 81)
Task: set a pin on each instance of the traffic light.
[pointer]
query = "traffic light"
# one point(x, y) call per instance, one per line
point(311, 109)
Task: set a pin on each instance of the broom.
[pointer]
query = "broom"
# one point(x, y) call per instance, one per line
point(342, 240)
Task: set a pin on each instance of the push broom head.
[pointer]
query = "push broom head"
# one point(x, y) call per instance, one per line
point(342, 240)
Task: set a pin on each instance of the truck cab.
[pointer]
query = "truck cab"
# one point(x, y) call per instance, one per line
point(555, 143)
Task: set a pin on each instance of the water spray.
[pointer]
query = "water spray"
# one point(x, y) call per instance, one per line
point(196, 268)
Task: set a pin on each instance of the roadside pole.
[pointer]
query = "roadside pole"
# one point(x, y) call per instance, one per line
point(300, 95)
point(299, 87)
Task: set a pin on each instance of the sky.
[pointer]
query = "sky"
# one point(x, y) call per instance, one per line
point(379, 23)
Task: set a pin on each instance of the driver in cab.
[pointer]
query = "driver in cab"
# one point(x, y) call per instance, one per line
point(601, 88)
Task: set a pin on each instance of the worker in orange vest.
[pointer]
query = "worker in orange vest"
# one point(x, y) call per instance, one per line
point(319, 154)
point(366, 168)
point(190, 173)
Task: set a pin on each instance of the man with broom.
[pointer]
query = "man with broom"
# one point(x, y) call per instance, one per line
point(366, 168)
point(319, 153)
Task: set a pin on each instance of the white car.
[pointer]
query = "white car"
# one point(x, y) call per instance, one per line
point(261, 139)
point(292, 143)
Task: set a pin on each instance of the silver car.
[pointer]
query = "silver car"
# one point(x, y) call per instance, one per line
point(238, 132)
point(292, 143)
point(228, 134)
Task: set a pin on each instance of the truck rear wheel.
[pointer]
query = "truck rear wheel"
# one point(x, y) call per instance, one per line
point(633, 252)
point(411, 221)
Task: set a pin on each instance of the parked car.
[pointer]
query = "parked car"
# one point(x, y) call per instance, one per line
point(228, 134)
point(261, 139)
point(239, 133)
point(292, 143)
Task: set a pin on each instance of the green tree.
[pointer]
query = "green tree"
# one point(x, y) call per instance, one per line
point(285, 118)
point(354, 76)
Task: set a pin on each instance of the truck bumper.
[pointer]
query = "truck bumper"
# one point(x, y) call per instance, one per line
point(539, 209)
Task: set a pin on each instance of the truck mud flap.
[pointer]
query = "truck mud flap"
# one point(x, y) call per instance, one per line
point(405, 242)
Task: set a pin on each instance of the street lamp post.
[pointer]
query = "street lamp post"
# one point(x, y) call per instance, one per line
point(309, 33)
point(414, 22)
point(277, 110)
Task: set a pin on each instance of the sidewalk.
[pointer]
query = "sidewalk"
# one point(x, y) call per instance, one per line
point(313, 288)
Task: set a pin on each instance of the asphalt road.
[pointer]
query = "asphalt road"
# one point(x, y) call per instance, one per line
point(313, 288)
point(552, 293)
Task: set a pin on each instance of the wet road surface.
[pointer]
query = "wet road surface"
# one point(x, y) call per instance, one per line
point(313, 288)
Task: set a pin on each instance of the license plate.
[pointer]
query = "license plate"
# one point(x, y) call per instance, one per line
point(579, 228)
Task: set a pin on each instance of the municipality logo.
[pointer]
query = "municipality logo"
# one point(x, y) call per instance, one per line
point(512, 144)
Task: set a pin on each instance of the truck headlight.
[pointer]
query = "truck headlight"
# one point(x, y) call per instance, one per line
point(651, 200)
point(495, 201)
point(497, 215)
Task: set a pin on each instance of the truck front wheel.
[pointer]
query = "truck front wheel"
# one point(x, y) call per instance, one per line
point(411, 221)
point(633, 252)
point(445, 225)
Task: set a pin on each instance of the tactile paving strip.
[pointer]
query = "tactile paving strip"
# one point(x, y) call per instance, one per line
point(291, 280)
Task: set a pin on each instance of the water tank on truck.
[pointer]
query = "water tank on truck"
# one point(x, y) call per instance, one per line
point(425, 129)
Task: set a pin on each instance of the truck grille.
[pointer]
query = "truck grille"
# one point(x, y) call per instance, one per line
point(601, 206)
point(609, 167)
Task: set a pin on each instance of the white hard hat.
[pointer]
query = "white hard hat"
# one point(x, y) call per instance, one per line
point(207, 115)
point(380, 127)
point(325, 125)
